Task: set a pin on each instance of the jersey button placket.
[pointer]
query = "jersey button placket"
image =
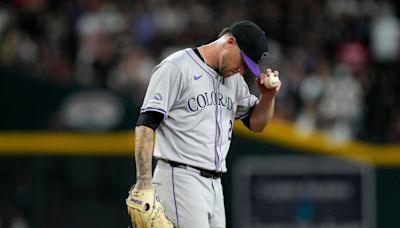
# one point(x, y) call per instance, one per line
point(218, 141)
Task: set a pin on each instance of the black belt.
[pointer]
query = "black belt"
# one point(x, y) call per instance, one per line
point(203, 172)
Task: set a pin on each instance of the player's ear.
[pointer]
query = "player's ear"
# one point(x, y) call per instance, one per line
point(231, 40)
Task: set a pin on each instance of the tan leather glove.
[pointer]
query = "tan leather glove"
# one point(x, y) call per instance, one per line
point(145, 210)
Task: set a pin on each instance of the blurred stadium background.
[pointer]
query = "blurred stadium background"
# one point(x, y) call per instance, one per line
point(73, 75)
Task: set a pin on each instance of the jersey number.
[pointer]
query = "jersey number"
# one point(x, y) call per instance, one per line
point(230, 130)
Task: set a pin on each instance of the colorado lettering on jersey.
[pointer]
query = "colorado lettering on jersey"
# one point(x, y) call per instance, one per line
point(207, 99)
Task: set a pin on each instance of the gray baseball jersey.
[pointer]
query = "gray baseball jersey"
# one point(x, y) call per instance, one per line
point(199, 109)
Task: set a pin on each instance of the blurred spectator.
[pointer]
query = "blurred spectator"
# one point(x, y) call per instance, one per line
point(170, 17)
point(385, 35)
point(97, 52)
point(143, 25)
point(354, 55)
point(341, 105)
point(312, 91)
point(132, 74)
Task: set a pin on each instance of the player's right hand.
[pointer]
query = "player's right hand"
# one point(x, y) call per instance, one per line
point(262, 79)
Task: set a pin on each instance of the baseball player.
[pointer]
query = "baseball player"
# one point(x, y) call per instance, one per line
point(192, 100)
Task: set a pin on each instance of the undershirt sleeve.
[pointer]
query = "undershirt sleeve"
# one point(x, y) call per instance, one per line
point(150, 119)
point(246, 120)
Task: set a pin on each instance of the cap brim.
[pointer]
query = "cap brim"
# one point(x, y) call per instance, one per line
point(253, 66)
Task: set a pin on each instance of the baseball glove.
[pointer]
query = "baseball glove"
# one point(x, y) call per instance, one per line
point(145, 210)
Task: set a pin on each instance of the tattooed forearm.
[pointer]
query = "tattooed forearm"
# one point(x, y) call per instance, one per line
point(144, 144)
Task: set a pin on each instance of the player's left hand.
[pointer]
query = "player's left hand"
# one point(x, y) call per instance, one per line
point(145, 209)
point(260, 83)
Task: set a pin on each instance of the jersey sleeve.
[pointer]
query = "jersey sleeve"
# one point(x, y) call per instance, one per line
point(246, 101)
point(164, 88)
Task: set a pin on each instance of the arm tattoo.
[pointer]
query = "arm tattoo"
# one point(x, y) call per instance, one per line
point(144, 144)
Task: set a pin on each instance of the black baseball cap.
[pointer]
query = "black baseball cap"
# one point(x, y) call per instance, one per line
point(252, 43)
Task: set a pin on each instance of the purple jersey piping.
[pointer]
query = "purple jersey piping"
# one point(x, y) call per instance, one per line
point(220, 137)
point(173, 192)
point(156, 110)
point(216, 111)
